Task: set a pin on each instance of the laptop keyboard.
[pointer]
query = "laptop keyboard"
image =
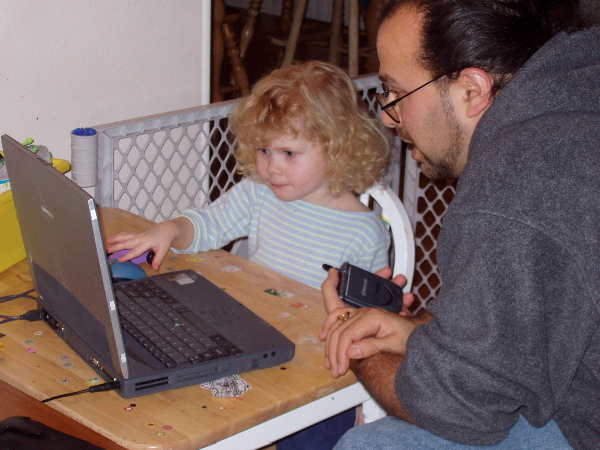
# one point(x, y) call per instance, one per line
point(166, 328)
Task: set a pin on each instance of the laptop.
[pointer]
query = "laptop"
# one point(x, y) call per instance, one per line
point(65, 249)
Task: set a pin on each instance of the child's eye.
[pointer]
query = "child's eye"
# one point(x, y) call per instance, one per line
point(264, 151)
point(290, 154)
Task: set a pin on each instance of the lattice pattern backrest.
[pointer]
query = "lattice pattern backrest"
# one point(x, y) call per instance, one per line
point(160, 165)
point(426, 202)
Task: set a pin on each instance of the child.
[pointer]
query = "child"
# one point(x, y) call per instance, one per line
point(307, 146)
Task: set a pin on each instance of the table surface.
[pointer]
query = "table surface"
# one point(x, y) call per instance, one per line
point(36, 361)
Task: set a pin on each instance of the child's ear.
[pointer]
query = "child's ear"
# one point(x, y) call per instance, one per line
point(476, 91)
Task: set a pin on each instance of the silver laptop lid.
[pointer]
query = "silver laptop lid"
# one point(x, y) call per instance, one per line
point(65, 250)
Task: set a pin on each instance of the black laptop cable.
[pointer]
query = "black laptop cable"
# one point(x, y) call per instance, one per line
point(38, 314)
point(31, 316)
point(97, 388)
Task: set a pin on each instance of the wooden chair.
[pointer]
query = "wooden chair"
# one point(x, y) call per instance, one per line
point(296, 35)
point(224, 41)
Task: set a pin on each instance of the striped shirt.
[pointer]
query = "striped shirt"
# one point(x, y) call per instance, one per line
point(293, 238)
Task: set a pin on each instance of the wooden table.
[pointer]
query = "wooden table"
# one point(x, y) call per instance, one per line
point(281, 400)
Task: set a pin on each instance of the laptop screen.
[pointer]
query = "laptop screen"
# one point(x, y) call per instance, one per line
point(66, 255)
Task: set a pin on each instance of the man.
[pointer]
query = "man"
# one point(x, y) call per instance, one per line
point(494, 92)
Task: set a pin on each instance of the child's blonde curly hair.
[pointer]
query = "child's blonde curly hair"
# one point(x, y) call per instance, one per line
point(318, 101)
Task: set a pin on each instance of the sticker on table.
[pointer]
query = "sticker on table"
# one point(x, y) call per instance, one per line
point(227, 387)
point(299, 306)
point(281, 294)
point(180, 278)
point(194, 260)
point(232, 268)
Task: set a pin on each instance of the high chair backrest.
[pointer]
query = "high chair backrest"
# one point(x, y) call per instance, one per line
point(394, 214)
point(403, 241)
point(157, 166)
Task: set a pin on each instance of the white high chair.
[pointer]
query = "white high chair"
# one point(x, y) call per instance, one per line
point(381, 198)
point(394, 214)
point(403, 262)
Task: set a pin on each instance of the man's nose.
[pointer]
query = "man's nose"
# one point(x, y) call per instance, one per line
point(388, 122)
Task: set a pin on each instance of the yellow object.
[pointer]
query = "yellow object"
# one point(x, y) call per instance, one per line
point(11, 243)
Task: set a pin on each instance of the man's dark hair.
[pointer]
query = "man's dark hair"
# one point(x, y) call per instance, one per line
point(497, 36)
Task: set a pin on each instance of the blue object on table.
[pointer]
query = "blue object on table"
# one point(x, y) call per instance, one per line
point(124, 271)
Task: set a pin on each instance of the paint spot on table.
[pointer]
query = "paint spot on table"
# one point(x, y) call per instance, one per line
point(299, 305)
point(281, 294)
point(308, 340)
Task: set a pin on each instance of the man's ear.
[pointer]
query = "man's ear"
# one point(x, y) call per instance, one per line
point(476, 85)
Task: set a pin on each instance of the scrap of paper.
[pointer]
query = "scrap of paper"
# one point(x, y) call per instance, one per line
point(227, 387)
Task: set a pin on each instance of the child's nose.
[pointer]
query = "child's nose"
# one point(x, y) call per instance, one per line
point(273, 168)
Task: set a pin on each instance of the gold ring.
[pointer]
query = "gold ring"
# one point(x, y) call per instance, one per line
point(344, 317)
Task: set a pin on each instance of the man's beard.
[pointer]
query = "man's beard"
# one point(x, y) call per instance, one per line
point(446, 167)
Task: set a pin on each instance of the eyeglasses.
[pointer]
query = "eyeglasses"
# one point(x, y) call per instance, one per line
point(388, 106)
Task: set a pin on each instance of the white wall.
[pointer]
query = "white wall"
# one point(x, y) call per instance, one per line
point(66, 64)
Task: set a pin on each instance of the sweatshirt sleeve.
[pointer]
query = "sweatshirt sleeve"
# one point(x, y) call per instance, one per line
point(224, 220)
point(369, 245)
point(472, 370)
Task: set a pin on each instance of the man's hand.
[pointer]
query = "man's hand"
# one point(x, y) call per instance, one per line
point(366, 332)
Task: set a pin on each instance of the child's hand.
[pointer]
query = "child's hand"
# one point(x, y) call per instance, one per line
point(156, 238)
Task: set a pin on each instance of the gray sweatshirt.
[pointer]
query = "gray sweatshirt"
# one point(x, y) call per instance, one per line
point(516, 326)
